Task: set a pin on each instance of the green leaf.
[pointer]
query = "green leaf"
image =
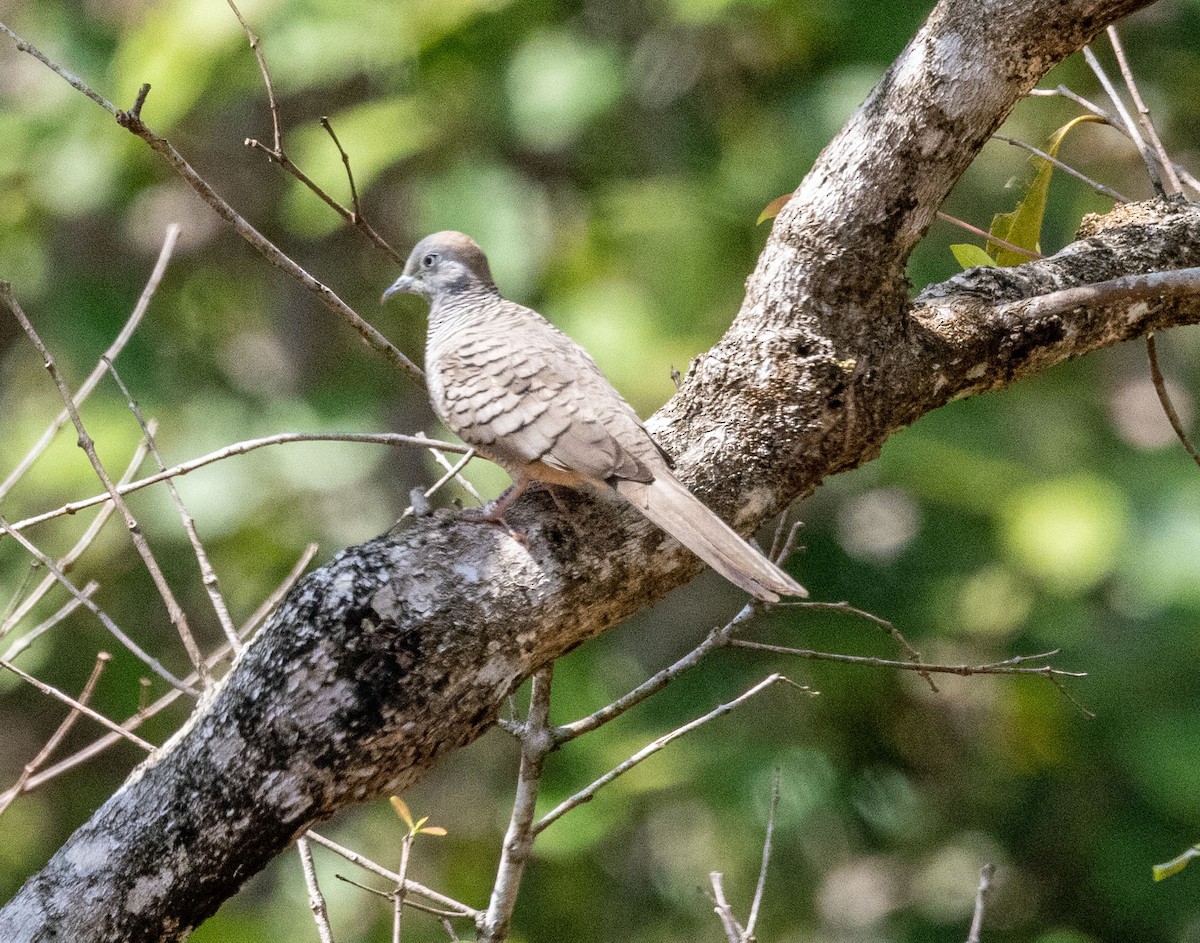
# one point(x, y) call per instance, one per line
point(1023, 226)
point(970, 256)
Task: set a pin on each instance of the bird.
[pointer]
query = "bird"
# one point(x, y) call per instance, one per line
point(529, 398)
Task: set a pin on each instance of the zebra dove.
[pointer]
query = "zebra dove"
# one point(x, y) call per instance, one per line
point(529, 398)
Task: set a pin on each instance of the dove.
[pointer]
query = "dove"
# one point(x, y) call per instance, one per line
point(532, 400)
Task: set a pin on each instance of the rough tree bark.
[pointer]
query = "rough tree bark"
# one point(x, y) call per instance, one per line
point(405, 647)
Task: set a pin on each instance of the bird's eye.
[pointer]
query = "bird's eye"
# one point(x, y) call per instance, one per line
point(428, 261)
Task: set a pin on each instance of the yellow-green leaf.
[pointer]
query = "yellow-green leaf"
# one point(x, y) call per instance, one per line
point(1175, 865)
point(771, 210)
point(1023, 226)
point(433, 830)
point(970, 256)
point(401, 808)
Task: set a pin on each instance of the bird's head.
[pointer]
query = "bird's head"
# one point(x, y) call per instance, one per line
point(441, 264)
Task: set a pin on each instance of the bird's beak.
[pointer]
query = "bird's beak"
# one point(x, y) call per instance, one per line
point(404, 285)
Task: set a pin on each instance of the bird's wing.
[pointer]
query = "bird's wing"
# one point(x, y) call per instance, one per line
point(523, 392)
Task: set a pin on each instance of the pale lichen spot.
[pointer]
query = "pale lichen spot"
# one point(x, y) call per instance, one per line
point(756, 504)
point(1137, 311)
point(92, 854)
point(149, 889)
point(498, 672)
point(467, 571)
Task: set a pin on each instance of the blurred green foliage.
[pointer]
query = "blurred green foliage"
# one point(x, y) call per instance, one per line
point(612, 157)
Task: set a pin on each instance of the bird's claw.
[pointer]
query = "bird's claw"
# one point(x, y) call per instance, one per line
point(495, 515)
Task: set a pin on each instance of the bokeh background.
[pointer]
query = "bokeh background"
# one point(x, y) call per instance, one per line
point(612, 157)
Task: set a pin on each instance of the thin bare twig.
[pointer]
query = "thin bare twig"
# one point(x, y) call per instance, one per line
point(981, 898)
point(386, 895)
point(1126, 119)
point(277, 154)
point(1067, 168)
point(256, 45)
point(733, 930)
point(975, 230)
point(241, 448)
point(1113, 121)
point(717, 638)
point(752, 920)
point(1160, 387)
point(357, 217)
point(260, 243)
point(896, 635)
point(151, 662)
point(115, 348)
point(536, 743)
point(452, 471)
point(435, 449)
point(1009, 666)
point(174, 611)
point(81, 708)
point(6, 799)
point(67, 561)
point(785, 539)
point(455, 907)
point(316, 900)
point(21, 644)
point(208, 575)
point(398, 890)
point(1173, 187)
point(589, 792)
point(414, 904)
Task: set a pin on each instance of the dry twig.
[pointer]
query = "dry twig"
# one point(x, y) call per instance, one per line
point(174, 611)
point(115, 348)
point(1164, 397)
point(132, 122)
point(77, 706)
point(1100, 188)
point(589, 792)
point(6, 798)
point(276, 153)
point(150, 661)
point(66, 562)
point(981, 897)
point(146, 711)
point(316, 900)
point(1173, 187)
point(241, 448)
point(536, 743)
point(208, 575)
point(1126, 120)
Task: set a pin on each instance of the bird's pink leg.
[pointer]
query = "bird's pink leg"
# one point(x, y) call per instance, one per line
point(494, 512)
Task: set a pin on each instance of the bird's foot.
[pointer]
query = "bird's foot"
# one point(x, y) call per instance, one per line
point(490, 516)
point(494, 513)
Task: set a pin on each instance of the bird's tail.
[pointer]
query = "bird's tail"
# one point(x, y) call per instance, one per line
point(685, 517)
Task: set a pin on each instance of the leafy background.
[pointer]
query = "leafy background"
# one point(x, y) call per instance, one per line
point(612, 157)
